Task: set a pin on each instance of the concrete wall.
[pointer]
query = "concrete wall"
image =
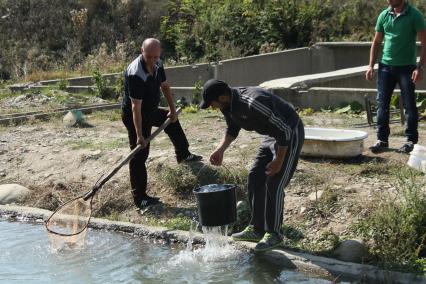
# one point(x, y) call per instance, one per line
point(189, 75)
point(253, 70)
point(318, 97)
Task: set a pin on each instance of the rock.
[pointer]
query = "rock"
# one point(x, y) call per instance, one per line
point(302, 209)
point(73, 118)
point(314, 196)
point(351, 251)
point(243, 212)
point(10, 193)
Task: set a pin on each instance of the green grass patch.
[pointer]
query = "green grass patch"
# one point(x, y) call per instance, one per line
point(178, 223)
point(91, 145)
point(395, 226)
point(108, 115)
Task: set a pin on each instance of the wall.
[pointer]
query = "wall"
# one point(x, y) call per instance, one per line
point(253, 70)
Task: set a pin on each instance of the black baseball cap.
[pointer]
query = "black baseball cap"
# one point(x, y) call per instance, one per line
point(212, 89)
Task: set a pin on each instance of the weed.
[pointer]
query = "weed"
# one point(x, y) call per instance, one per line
point(184, 178)
point(84, 144)
point(101, 86)
point(179, 223)
point(395, 226)
point(307, 112)
point(196, 99)
point(328, 204)
point(190, 109)
point(62, 84)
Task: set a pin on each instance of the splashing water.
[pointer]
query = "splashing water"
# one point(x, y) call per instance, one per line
point(217, 254)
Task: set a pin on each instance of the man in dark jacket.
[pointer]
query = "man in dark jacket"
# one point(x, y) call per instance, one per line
point(256, 109)
point(144, 78)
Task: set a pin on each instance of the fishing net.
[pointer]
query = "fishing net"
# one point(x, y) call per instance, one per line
point(71, 218)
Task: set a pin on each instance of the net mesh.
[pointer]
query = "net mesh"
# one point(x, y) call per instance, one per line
point(60, 243)
point(71, 219)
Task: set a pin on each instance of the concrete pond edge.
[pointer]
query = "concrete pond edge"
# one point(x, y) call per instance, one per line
point(317, 265)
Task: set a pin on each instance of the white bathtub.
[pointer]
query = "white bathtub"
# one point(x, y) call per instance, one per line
point(333, 143)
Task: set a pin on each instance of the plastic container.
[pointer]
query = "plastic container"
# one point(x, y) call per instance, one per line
point(417, 158)
point(217, 204)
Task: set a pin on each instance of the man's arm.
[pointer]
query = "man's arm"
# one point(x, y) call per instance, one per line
point(216, 157)
point(137, 120)
point(167, 91)
point(374, 50)
point(418, 73)
point(231, 134)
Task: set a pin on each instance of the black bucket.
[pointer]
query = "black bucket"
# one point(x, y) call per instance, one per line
point(217, 207)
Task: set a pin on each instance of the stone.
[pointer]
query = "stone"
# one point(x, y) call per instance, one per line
point(351, 251)
point(243, 212)
point(314, 196)
point(11, 193)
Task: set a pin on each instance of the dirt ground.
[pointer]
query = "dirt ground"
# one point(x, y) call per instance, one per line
point(323, 199)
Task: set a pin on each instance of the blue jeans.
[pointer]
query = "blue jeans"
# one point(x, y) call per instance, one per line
point(387, 79)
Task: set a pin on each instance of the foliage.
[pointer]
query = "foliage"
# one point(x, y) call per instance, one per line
point(396, 225)
point(62, 84)
point(184, 178)
point(179, 223)
point(79, 35)
point(190, 109)
point(102, 88)
point(354, 107)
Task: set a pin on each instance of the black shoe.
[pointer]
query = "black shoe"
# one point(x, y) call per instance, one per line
point(190, 158)
point(406, 148)
point(380, 146)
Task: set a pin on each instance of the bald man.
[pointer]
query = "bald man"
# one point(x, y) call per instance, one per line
point(144, 78)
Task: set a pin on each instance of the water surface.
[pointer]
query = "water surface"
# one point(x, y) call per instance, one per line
point(108, 257)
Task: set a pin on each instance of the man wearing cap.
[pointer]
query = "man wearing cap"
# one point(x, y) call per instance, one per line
point(144, 78)
point(398, 26)
point(256, 109)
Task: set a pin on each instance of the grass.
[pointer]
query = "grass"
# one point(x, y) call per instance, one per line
point(395, 226)
point(109, 115)
point(328, 204)
point(178, 223)
point(91, 145)
point(184, 178)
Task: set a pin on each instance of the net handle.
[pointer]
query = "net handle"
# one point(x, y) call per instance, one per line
point(139, 147)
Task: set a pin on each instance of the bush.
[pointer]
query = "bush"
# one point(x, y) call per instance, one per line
point(395, 227)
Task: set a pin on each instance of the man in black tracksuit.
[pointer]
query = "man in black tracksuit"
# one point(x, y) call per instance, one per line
point(256, 109)
point(144, 78)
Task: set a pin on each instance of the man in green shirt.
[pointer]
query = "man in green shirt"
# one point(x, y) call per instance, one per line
point(398, 26)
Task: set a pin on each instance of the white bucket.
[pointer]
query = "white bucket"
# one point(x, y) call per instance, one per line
point(417, 158)
point(419, 151)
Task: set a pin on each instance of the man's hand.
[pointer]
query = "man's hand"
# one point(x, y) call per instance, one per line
point(369, 75)
point(141, 141)
point(216, 157)
point(417, 75)
point(173, 115)
point(273, 167)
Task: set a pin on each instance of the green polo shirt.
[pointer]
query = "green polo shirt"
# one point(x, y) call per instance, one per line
point(400, 34)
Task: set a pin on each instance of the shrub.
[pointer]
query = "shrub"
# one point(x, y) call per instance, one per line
point(396, 226)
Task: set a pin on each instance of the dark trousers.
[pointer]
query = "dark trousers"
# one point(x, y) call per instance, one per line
point(387, 79)
point(137, 167)
point(266, 194)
